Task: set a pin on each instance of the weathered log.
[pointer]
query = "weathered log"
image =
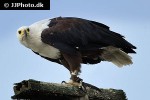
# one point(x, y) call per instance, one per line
point(37, 90)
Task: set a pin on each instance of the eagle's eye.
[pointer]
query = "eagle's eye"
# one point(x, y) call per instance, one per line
point(28, 29)
point(19, 32)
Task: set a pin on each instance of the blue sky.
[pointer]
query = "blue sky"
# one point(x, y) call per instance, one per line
point(130, 18)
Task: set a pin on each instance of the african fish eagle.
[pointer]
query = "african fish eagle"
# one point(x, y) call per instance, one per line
point(71, 41)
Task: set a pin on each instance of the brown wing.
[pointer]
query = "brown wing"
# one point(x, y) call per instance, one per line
point(67, 34)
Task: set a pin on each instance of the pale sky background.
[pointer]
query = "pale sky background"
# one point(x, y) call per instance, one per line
point(131, 18)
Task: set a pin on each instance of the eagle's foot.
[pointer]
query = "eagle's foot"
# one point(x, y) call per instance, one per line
point(78, 82)
point(71, 82)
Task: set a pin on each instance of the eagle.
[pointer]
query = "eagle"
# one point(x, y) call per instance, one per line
point(72, 41)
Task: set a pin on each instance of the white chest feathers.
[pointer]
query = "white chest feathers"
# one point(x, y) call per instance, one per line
point(44, 49)
point(33, 40)
point(48, 51)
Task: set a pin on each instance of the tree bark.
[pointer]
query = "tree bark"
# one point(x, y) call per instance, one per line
point(37, 90)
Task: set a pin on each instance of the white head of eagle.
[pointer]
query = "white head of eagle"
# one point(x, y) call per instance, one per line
point(73, 41)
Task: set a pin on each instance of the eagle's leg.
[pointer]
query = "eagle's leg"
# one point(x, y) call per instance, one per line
point(72, 62)
point(74, 76)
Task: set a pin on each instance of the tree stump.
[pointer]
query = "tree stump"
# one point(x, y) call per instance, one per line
point(37, 90)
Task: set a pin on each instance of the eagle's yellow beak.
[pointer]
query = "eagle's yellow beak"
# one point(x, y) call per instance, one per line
point(24, 32)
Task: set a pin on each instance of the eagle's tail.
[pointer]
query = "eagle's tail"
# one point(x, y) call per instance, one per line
point(116, 56)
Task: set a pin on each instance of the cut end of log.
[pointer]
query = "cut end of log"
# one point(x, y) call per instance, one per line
point(37, 90)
